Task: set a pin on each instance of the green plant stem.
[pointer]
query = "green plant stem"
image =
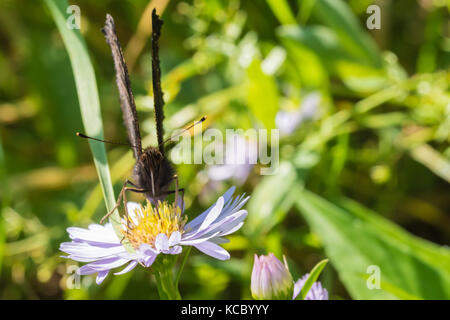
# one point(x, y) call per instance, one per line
point(165, 281)
point(161, 292)
point(183, 263)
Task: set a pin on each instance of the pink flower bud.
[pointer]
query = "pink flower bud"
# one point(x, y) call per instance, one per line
point(271, 279)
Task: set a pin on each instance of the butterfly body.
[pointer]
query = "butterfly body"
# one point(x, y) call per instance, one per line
point(153, 173)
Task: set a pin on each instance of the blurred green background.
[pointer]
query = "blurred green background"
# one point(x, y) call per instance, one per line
point(364, 173)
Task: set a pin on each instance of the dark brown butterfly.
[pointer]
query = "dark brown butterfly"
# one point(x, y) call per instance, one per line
point(152, 173)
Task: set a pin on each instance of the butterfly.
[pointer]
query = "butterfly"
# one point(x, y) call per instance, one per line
point(152, 173)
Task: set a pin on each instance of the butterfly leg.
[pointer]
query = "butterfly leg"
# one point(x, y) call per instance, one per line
point(121, 194)
point(177, 189)
point(153, 184)
point(125, 203)
point(106, 216)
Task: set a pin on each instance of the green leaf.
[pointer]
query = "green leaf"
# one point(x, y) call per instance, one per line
point(356, 238)
point(313, 276)
point(361, 78)
point(306, 63)
point(338, 16)
point(321, 40)
point(262, 94)
point(276, 194)
point(305, 9)
point(270, 201)
point(325, 43)
point(282, 11)
point(86, 85)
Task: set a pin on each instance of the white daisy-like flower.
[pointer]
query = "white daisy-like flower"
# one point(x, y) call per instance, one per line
point(153, 231)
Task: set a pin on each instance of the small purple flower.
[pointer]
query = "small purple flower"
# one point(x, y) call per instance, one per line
point(289, 121)
point(239, 158)
point(153, 231)
point(317, 292)
point(271, 280)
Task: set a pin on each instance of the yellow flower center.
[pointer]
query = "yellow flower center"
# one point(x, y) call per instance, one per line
point(151, 221)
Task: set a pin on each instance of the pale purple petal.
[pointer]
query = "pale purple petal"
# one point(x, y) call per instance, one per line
point(233, 230)
point(212, 215)
point(219, 240)
point(133, 208)
point(148, 261)
point(219, 228)
point(175, 250)
point(94, 234)
point(128, 268)
point(101, 276)
point(199, 219)
point(100, 247)
point(85, 250)
point(230, 207)
point(161, 242)
point(195, 240)
point(104, 264)
point(147, 254)
point(235, 205)
point(175, 238)
point(213, 250)
point(231, 224)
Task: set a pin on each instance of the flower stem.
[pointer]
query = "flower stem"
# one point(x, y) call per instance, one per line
point(161, 292)
point(186, 255)
point(166, 281)
point(162, 268)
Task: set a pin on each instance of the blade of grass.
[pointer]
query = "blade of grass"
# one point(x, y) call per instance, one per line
point(338, 16)
point(4, 203)
point(313, 276)
point(432, 159)
point(86, 85)
point(282, 11)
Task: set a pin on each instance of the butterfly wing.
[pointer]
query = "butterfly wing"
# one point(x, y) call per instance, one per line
point(123, 84)
point(156, 79)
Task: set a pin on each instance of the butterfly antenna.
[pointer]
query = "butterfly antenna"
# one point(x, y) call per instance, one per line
point(81, 135)
point(186, 129)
